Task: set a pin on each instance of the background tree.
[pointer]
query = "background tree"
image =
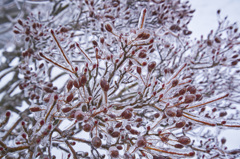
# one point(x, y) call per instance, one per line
point(117, 79)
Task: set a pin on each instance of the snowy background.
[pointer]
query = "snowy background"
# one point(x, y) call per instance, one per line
point(203, 21)
point(205, 16)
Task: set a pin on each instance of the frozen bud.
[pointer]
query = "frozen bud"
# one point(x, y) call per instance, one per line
point(189, 98)
point(87, 127)
point(114, 153)
point(128, 127)
point(82, 80)
point(142, 54)
point(79, 115)
point(115, 134)
point(179, 113)
point(191, 89)
point(108, 27)
point(175, 82)
point(76, 84)
point(48, 89)
point(130, 63)
point(8, 114)
point(118, 125)
point(104, 85)
point(217, 40)
point(156, 115)
point(222, 114)
point(223, 140)
point(20, 22)
point(144, 63)
point(69, 85)
point(69, 98)
point(94, 43)
point(139, 70)
point(66, 109)
point(198, 97)
point(35, 109)
point(96, 142)
point(187, 32)
point(175, 28)
point(138, 120)
point(110, 130)
point(170, 113)
point(145, 36)
point(178, 146)
point(119, 147)
point(235, 62)
point(180, 124)
point(151, 66)
point(126, 114)
point(184, 140)
point(141, 142)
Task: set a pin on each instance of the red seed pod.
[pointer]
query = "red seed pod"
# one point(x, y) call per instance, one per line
point(184, 140)
point(8, 114)
point(66, 109)
point(189, 98)
point(76, 84)
point(104, 85)
point(130, 63)
point(217, 40)
point(145, 36)
point(151, 66)
point(156, 115)
point(87, 127)
point(191, 89)
point(175, 82)
point(79, 115)
point(178, 146)
point(144, 63)
point(119, 147)
point(20, 22)
point(96, 142)
point(118, 125)
point(69, 85)
point(170, 113)
point(235, 56)
point(142, 54)
point(222, 114)
point(235, 62)
point(198, 97)
point(42, 122)
point(141, 142)
point(191, 154)
point(48, 90)
point(128, 127)
point(223, 140)
point(180, 124)
point(69, 98)
point(179, 112)
point(94, 43)
point(127, 114)
point(108, 27)
point(110, 130)
point(139, 70)
point(16, 31)
point(35, 109)
point(24, 135)
point(114, 153)
point(115, 134)
point(82, 80)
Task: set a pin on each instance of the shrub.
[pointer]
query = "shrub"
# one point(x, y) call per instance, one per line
point(123, 79)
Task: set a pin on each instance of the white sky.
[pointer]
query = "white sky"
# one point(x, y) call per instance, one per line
point(204, 20)
point(205, 16)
